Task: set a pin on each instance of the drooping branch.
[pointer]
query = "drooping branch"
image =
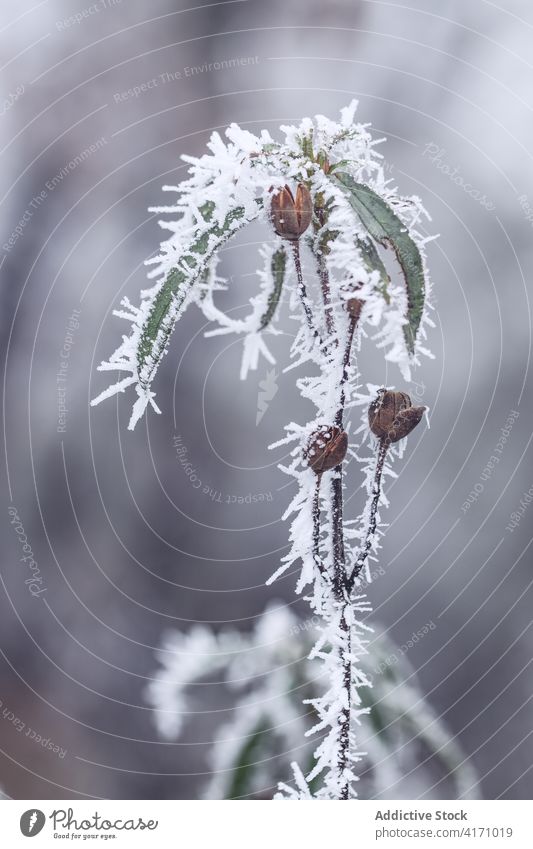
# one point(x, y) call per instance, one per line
point(339, 189)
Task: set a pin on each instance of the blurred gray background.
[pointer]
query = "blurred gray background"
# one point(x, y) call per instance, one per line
point(126, 547)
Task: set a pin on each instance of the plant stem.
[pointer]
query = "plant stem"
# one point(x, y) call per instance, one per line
point(345, 369)
point(338, 528)
point(316, 526)
point(326, 294)
point(340, 576)
point(322, 269)
point(303, 290)
point(372, 522)
point(339, 559)
point(344, 736)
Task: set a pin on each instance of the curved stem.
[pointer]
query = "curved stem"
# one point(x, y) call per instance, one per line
point(384, 445)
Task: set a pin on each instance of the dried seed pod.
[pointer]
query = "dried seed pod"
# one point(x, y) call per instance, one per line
point(354, 307)
point(391, 415)
point(291, 216)
point(326, 448)
point(405, 422)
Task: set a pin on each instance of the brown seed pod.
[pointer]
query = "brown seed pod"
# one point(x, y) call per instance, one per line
point(405, 422)
point(354, 307)
point(326, 448)
point(291, 216)
point(391, 415)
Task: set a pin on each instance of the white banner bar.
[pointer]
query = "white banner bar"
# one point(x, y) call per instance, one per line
point(267, 825)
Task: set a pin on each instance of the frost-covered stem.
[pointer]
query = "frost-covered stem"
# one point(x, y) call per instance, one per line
point(344, 650)
point(323, 276)
point(336, 487)
point(341, 578)
point(339, 558)
point(316, 526)
point(345, 370)
point(302, 289)
point(344, 736)
point(326, 296)
point(384, 445)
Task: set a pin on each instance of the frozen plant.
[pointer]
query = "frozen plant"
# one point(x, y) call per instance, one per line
point(321, 190)
point(409, 752)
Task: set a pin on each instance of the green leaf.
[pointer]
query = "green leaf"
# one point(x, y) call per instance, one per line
point(246, 761)
point(278, 267)
point(386, 228)
point(189, 269)
point(373, 262)
point(306, 143)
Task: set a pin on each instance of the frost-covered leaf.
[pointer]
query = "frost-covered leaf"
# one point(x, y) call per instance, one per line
point(189, 269)
point(388, 229)
point(278, 267)
point(268, 672)
point(373, 262)
point(245, 761)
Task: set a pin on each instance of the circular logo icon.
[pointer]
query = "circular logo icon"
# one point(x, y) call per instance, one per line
point(32, 822)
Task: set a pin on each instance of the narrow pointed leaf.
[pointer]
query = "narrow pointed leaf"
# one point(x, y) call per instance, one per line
point(246, 761)
point(387, 229)
point(278, 268)
point(373, 262)
point(168, 303)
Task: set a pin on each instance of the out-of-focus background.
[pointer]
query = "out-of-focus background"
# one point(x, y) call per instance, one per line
point(99, 100)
